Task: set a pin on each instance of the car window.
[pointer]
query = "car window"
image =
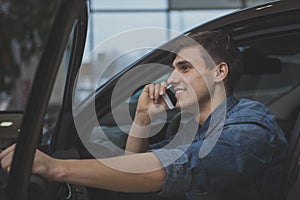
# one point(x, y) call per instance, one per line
point(271, 76)
point(56, 99)
point(95, 74)
point(116, 124)
point(270, 86)
point(272, 66)
point(110, 132)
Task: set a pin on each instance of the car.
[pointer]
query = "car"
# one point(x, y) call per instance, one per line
point(95, 126)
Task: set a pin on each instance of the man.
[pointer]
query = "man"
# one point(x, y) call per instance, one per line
point(235, 151)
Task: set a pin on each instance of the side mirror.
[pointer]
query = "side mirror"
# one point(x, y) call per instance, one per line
point(10, 123)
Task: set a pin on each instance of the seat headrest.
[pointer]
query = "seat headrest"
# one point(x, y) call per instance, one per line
point(256, 63)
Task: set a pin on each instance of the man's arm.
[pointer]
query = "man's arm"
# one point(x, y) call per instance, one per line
point(150, 102)
point(130, 173)
point(137, 141)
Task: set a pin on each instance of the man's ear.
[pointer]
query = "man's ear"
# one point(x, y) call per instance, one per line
point(221, 71)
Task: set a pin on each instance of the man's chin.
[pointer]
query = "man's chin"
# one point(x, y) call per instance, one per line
point(191, 108)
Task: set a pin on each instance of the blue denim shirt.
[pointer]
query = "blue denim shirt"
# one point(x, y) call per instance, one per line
point(244, 160)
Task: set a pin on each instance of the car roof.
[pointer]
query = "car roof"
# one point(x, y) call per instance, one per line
point(284, 12)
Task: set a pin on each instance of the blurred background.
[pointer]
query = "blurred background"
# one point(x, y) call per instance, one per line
point(23, 34)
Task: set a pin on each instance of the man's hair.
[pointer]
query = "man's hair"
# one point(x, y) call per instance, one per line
point(221, 48)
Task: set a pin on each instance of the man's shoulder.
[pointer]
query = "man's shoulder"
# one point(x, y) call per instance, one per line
point(251, 104)
point(249, 110)
point(252, 115)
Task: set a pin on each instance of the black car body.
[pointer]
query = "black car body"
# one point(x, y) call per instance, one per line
point(268, 35)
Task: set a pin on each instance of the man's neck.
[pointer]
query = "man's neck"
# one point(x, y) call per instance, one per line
point(207, 108)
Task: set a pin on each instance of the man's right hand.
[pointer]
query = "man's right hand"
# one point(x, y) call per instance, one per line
point(150, 103)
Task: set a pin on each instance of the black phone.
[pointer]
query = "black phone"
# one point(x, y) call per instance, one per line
point(170, 98)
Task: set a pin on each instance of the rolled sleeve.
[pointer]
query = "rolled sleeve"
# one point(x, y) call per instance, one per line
point(178, 179)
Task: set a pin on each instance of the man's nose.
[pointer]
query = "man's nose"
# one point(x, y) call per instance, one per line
point(173, 78)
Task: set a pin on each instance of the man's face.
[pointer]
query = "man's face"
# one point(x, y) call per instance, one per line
point(188, 79)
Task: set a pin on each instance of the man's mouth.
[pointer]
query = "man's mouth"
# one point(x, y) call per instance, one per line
point(178, 91)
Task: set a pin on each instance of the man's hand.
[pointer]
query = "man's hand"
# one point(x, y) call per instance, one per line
point(41, 164)
point(150, 103)
point(6, 157)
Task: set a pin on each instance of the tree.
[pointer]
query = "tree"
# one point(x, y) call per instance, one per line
point(24, 27)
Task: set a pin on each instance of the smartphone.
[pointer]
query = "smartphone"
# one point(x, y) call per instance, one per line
point(169, 97)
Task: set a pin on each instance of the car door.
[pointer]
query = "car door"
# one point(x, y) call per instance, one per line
point(62, 53)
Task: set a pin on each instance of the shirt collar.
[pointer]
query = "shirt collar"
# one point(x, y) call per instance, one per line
point(216, 118)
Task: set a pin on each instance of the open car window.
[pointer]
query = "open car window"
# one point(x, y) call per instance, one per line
point(270, 76)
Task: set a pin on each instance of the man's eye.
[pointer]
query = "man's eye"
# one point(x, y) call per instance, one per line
point(185, 67)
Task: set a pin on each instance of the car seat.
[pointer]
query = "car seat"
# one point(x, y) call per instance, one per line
point(292, 166)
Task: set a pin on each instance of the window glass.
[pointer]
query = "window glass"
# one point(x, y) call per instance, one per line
point(112, 130)
point(105, 25)
point(130, 4)
point(56, 98)
point(271, 76)
point(268, 87)
point(113, 49)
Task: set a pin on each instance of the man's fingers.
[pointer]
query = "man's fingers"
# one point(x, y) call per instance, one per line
point(6, 157)
point(155, 91)
point(151, 91)
point(7, 151)
point(6, 161)
point(163, 87)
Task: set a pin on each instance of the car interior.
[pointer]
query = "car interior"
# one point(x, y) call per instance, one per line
point(271, 76)
point(277, 85)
